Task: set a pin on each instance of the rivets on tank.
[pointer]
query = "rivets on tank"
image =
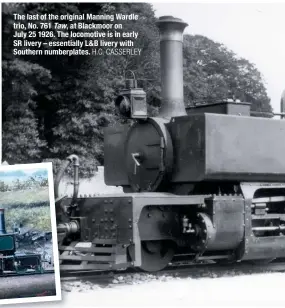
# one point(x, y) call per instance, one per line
point(93, 220)
point(105, 201)
point(130, 220)
point(129, 201)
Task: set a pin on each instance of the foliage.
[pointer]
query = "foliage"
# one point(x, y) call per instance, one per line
point(31, 208)
point(29, 196)
point(31, 182)
point(59, 105)
point(212, 73)
point(21, 81)
point(35, 217)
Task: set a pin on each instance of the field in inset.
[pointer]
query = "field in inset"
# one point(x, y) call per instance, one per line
point(29, 208)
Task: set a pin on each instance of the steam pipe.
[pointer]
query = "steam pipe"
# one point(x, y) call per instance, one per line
point(171, 62)
point(71, 158)
point(2, 222)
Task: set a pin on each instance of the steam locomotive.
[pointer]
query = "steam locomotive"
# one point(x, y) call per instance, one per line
point(11, 262)
point(207, 185)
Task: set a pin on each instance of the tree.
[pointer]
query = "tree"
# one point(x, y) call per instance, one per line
point(212, 73)
point(91, 106)
point(59, 105)
point(21, 81)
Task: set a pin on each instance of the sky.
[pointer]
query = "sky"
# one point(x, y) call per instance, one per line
point(254, 31)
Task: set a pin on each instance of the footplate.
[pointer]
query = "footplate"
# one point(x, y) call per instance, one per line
point(98, 255)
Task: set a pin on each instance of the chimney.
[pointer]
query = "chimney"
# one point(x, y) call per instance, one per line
point(2, 222)
point(171, 63)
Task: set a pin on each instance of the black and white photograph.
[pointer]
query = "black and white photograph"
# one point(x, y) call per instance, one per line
point(164, 124)
point(29, 267)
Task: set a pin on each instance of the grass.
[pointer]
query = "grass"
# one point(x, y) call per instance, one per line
point(24, 197)
point(29, 207)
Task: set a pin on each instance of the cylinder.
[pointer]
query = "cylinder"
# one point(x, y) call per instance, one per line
point(171, 62)
point(2, 222)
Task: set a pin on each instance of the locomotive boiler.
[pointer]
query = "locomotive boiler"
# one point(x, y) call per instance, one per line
point(204, 185)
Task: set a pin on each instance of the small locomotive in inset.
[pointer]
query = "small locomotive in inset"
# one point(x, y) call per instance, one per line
point(11, 262)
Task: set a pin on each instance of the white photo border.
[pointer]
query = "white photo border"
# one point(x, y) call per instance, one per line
point(57, 297)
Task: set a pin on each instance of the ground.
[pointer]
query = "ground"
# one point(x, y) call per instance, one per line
point(259, 290)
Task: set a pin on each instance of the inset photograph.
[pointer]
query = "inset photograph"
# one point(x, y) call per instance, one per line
point(29, 269)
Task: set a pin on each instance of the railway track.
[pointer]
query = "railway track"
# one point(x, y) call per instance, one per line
point(27, 273)
point(200, 270)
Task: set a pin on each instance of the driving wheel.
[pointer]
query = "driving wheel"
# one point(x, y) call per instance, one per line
point(155, 255)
